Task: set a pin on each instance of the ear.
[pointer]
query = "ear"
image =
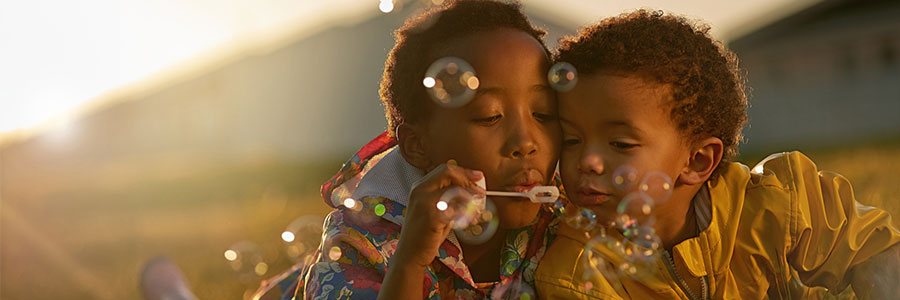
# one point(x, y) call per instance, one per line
point(705, 157)
point(411, 143)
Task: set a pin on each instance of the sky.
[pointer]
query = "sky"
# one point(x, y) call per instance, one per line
point(60, 57)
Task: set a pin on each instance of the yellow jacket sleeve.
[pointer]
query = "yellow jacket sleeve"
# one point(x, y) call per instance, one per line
point(829, 231)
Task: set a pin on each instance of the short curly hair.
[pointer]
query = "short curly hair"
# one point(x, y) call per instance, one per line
point(708, 87)
point(420, 39)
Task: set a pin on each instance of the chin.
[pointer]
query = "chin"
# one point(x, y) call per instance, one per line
point(516, 213)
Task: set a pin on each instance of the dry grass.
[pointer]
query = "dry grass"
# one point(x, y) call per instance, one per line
point(92, 244)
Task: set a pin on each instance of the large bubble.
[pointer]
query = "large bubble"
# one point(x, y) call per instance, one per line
point(451, 82)
point(484, 225)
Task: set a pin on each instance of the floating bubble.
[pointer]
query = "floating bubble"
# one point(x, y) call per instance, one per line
point(462, 206)
point(581, 219)
point(599, 253)
point(451, 82)
point(562, 76)
point(380, 209)
point(636, 205)
point(588, 286)
point(642, 243)
point(514, 289)
point(484, 227)
point(386, 6)
point(302, 237)
point(625, 177)
point(246, 260)
point(625, 222)
point(558, 208)
point(657, 185)
point(334, 253)
point(340, 193)
point(352, 204)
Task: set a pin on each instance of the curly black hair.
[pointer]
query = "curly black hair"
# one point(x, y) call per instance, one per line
point(421, 39)
point(707, 86)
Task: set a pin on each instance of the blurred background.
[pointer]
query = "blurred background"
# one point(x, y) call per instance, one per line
point(134, 129)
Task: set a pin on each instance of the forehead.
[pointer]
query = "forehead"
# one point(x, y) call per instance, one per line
point(614, 98)
point(494, 53)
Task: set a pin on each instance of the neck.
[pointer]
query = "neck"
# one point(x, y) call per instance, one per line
point(675, 219)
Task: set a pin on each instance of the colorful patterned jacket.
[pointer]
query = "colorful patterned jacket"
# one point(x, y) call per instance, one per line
point(358, 242)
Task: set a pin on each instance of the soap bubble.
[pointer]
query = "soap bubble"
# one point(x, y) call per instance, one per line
point(581, 219)
point(558, 208)
point(484, 226)
point(599, 253)
point(462, 207)
point(636, 205)
point(301, 238)
point(451, 82)
point(642, 243)
point(625, 177)
point(562, 76)
point(247, 261)
point(341, 192)
point(657, 185)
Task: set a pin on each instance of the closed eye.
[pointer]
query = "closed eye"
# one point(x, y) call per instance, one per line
point(622, 146)
point(541, 117)
point(568, 142)
point(488, 120)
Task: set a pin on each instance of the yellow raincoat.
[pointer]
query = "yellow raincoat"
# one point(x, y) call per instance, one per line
point(772, 233)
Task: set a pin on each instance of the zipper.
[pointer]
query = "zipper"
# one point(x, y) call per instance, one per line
point(680, 282)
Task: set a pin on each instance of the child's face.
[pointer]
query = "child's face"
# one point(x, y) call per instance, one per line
point(510, 129)
point(611, 121)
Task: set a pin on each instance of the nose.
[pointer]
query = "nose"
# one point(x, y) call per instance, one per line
point(521, 142)
point(591, 163)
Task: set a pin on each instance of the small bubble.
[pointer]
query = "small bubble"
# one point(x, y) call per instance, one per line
point(287, 236)
point(451, 82)
point(230, 255)
point(261, 269)
point(380, 209)
point(302, 237)
point(624, 177)
point(636, 205)
point(386, 6)
point(562, 76)
point(334, 253)
point(657, 185)
point(484, 227)
point(245, 259)
point(582, 219)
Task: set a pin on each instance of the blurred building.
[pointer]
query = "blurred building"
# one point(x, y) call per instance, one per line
point(826, 76)
point(314, 98)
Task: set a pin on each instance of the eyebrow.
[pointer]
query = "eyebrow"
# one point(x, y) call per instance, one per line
point(627, 124)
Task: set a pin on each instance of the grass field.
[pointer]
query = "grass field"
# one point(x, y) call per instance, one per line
point(90, 243)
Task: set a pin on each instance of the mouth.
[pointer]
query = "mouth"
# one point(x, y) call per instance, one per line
point(590, 196)
point(524, 188)
point(524, 181)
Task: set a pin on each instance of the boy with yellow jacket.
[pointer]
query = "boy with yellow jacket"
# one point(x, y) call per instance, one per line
point(657, 96)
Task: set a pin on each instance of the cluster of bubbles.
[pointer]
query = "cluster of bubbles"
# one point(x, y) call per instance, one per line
point(634, 254)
